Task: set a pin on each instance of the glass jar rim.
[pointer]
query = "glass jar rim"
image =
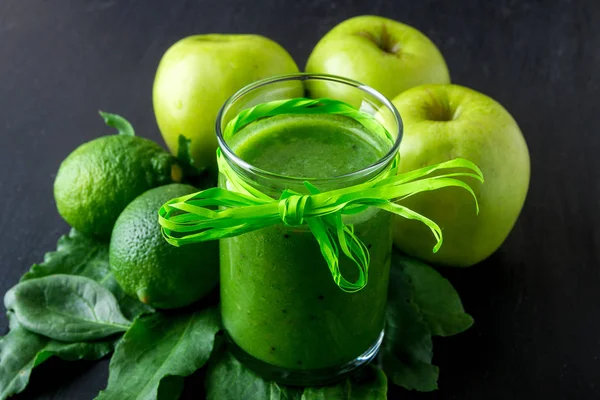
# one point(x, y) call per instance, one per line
point(381, 163)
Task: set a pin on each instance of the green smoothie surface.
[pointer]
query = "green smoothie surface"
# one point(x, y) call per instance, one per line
point(308, 146)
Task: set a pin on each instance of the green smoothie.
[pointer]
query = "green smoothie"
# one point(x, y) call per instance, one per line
point(279, 301)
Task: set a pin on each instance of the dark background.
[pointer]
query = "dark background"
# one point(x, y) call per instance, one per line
point(535, 302)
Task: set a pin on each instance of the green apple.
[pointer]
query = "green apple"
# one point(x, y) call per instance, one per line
point(387, 55)
point(442, 122)
point(195, 77)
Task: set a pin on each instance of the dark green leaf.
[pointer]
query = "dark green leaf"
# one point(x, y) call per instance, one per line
point(130, 307)
point(184, 153)
point(117, 122)
point(66, 307)
point(437, 300)
point(413, 375)
point(157, 347)
point(227, 378)
point(81, 350)
point(200, 178)
point(405, 328)
point(372, 385)
point(77, 254)
point(21, 351)
point(407, 349)
point(170, 388)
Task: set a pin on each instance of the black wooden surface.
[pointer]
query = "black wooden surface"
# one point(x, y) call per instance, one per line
point(536, 302)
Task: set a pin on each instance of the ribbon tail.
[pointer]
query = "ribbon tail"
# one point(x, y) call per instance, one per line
point(354, 249)
point(410, 176)
point(330, 252)
point(350, 244)
point(410, 214)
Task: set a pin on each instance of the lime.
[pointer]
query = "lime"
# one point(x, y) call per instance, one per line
point(149, 268)
point(99, 178)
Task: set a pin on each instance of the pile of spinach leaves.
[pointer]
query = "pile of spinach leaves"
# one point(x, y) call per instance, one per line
point(71, 307)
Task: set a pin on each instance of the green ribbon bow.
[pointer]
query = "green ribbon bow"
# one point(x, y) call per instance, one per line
point(218, 213)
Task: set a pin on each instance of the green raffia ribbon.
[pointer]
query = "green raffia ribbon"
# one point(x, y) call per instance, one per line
point(218, 213)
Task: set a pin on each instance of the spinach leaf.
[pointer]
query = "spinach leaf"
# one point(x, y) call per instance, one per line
point(437, 300)
point(81, 350)
point(157, 347)
point(197, 177)
point(411, 375)
point(22, 350)
point(227, 378)
point(66, 307)
point(371, 385)
point(421, 303)
point(130, 306)
point(407, 349)
point(170, 388)
point(77, 254)
point(184, 152)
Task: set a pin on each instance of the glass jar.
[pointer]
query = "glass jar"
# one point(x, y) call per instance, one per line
point(284, 314)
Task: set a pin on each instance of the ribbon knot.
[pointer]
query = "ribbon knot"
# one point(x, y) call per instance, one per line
point(291, 209)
